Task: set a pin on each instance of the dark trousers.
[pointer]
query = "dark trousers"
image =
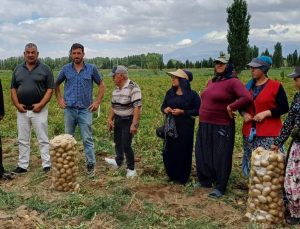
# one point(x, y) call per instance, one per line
point(214, 149)
point(1, 162)
point(123, 139)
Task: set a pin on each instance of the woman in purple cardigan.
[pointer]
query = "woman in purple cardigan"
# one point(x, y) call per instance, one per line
point(223, 95)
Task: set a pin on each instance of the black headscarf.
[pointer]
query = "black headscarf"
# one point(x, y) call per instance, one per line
point(227, 74)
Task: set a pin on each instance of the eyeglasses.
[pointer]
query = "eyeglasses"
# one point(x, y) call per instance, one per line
point(219, 63)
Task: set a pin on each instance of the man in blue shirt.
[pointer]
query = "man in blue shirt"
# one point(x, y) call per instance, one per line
point(78, 101)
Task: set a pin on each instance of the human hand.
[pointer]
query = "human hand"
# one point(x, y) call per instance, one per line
point(259, 117)
point(177, 112)
point(110, 124)
point(37, 107)
point(61, 103)
point(168, 110)
point(247, 117)
point(21, 108)
point(133, 128)
point(94, 106)
point(230, 112)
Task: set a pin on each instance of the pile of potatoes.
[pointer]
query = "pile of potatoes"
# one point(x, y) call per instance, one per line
point(64, 159)
point(265, 201)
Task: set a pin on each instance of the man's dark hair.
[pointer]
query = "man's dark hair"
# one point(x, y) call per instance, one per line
point(76, 46)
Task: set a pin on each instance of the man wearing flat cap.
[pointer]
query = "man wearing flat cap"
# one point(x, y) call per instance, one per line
point(124, 116)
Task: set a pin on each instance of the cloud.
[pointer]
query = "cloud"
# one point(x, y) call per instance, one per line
point(107, 36)
point(122, 27)
point(185, 42)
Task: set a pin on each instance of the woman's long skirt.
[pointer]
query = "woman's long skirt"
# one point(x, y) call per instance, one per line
point(214, 149)
point(177, 153)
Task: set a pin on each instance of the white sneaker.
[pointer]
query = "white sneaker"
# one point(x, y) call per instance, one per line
point(131, 173)
point(112, 162)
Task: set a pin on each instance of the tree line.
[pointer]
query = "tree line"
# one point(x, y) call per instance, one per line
point(155, 61)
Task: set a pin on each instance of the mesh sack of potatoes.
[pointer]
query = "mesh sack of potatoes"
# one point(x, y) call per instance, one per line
point(265, 200)
point(64, 159)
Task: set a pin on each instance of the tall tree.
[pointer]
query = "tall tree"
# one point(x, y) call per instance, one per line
point(295, 57)
point(266, 53)
point(277, 55)
point(238, 32)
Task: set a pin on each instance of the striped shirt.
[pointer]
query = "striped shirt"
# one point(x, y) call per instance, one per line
point(125, 99)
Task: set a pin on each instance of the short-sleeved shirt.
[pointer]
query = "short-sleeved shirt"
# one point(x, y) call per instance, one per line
point(32, 85)
point(78, 88)
point(125, 99)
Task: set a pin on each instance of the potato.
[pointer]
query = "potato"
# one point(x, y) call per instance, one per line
point(256, 201)
point(280, 158)
point(270, 167)
point(272, 157)
point(273, 194)
point(273, 206)
point(252, 206)
point(274, 212)
point(275, 181)
point(262, 199)
point(267, 178)
point(264, 163)
point(256, 163)
point(269, 218)
point(256, 180)
point(281, 165)
point(260, 219)
point(260, 187)
point(266, 191)
point(269, 199)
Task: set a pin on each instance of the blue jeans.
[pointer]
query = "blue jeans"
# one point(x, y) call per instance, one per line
point(83, 118)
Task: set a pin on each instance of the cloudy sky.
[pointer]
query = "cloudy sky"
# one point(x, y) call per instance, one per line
point(116, 28)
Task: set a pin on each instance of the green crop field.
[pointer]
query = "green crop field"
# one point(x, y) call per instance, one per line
point(110, 200)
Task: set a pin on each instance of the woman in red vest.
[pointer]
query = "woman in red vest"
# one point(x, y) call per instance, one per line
point(262, 121)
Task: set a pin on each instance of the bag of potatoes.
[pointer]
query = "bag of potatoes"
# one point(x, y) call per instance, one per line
point(265, 200)
point(64, 159)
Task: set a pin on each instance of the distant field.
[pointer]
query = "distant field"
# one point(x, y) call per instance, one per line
point(109, 200)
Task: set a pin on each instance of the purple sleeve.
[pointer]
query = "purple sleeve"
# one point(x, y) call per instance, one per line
point(243, 96)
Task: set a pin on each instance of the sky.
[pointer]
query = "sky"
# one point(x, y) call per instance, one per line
point(183, 29)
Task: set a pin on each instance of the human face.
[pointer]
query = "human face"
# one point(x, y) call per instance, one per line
point(257, 73)
point(297, 82)
point(77, 55)
point(175, 81)
point(118, 79)
point(220, 67)
point(31, 55)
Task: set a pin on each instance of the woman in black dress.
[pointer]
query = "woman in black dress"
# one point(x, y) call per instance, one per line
point(182, 103)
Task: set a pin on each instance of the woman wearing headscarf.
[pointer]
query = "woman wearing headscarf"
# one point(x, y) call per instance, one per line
point(182, 103)
point(223, 95)
point(262, 121)
point(291, 127)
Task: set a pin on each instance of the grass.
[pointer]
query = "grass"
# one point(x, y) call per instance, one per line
point(110, 200)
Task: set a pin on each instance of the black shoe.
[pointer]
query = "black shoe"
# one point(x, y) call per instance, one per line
point(19, 171)
point(90, 170)
point(6, 176)
point(216, 194)
point(47, 169)
point(292, 220)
